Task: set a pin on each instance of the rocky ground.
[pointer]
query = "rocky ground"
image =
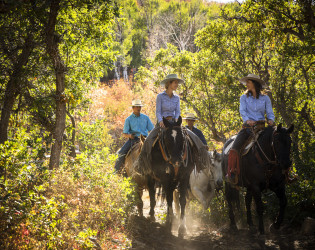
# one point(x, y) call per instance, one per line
point(153, 235)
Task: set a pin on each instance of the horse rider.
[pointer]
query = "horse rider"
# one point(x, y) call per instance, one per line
point(135, 125)
point(168, 106)
point(253, 107)
point(190, 120)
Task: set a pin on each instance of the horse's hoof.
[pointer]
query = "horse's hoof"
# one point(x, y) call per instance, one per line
point(182, 231)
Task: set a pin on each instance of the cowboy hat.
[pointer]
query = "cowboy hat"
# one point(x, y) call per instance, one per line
point(255, 78)
point(171, 77)
point(136, 103)
point(190, 116)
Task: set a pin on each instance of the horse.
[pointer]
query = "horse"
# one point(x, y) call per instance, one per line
point(261, 168)
point(171, 163)
point(203, 184)
point(141, 181)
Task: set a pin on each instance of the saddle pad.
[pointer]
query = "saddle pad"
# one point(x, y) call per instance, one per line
point(227, 149)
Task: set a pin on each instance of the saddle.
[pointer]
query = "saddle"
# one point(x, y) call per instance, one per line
point(235, 157)
point(134, 146)
point(247, 145)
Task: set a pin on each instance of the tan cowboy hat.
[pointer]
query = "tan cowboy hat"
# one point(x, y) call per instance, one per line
point(136, 103)
point(171, 77)
point(190, 116)
point(255, 78)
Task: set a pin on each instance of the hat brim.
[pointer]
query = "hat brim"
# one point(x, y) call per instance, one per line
point(190, 118)
point(180, 81)
point(137, 105)
point(262, 83)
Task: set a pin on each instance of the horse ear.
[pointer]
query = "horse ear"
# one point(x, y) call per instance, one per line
point(179, 121)
point(290, 129)
point(279, 127)
point(166, 122)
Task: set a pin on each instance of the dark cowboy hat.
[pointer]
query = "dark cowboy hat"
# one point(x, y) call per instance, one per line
point(255, 78)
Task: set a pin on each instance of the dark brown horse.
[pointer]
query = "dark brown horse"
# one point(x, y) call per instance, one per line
point(261, 168)
point(171, 164)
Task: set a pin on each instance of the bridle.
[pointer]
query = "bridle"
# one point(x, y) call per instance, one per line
point(164, 149)
point(274, 162)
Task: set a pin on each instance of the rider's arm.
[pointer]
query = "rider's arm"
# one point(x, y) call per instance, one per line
point(243, 108)
point(269, 111)
point(127, 129)
point(158, 110)
point(177, 109)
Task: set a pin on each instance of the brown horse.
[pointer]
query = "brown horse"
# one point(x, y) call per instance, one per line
point(130, 165)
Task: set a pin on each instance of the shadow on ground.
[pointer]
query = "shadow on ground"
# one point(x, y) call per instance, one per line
point(146, 234)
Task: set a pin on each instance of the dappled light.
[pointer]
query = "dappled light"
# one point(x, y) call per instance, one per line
point(160, 87)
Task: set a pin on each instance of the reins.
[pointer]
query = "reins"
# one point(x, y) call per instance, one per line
point(273, 148)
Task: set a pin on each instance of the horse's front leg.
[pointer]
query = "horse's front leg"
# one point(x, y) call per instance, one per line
point(280, 192)
point(259, 208)
point(169, 187)
point(151, 187)
point(182, 200)
point(248, 202)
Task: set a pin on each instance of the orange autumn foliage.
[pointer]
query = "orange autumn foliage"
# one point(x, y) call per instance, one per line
point(113, 104)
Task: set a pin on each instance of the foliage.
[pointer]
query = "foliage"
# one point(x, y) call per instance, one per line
point(80, 205)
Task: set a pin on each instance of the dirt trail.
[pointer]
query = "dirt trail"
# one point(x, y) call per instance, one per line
point(153, 235)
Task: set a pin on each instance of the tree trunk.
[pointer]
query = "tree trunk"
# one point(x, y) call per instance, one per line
point(53, 51)
point(72, 147)
point(13, 87)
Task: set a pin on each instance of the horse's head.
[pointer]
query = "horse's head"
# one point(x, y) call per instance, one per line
point(216, 160)
point(282, 145)
point(174, 141)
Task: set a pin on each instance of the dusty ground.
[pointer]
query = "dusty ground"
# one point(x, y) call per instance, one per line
point(153, 235)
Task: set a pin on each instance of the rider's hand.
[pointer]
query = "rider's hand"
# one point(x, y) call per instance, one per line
point(132, 136)
point(271, 123)
point(250, 122)
point(162, 124)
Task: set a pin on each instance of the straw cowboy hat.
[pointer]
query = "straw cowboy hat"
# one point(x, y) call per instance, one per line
point(171, 77)
point(136, 103)
point(255, 78)
point(190, 116)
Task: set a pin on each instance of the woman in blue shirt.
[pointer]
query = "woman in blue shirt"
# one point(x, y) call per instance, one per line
point(167, 102)
point(167, 106)
point(253, 107)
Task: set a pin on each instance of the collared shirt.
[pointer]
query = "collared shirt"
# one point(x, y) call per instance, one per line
point(254, 109)
point(167, 106)
point(138, 125)
point(199, 134)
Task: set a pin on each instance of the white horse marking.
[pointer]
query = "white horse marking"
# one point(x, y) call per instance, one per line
point(174, 133)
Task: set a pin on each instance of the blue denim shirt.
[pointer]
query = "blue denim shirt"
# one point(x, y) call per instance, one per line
point(167, 106)
point(255, 109)
point(138, 125)
point(199, 134)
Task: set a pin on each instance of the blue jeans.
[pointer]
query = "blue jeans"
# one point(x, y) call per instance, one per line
point(123, 151)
